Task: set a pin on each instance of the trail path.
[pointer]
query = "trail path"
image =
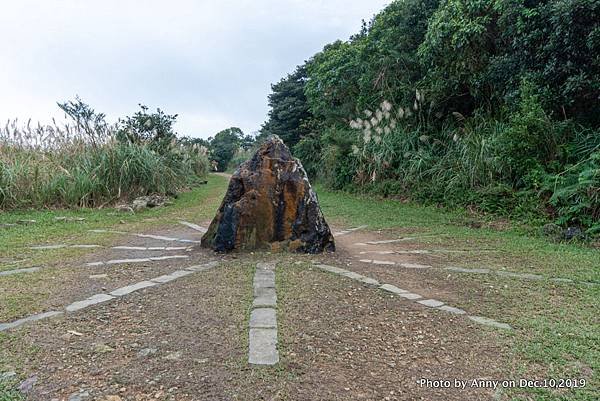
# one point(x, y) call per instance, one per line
point(152, 316)
point(149, 319)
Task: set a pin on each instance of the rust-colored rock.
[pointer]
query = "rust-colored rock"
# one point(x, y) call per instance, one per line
point(270, 205)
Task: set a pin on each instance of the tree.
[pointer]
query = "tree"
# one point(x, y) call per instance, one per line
point(224, 145)
point(153, 128)
point(289, 109)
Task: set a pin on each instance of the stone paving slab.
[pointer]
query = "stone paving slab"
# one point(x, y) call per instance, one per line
point(262, 347)
point(194, 226)
point(19, 271)
point(164, 279)
point(490, 322)
point(131, 288)
point(348, 231)
point(93, 300)
point(32, 318)
point(262, 318)
point(119, 261)
point(190, 241)
point(352, 275)
point(264, 297)
point(269, 266)
point(157, 258)
point(393, 289)
point(526, 276)
point(44, 247)
point(414, 266)
point(158, 237)
point(152, 248)
point(410, 295)
point(452, 309)
point(264, 282)
point(432, 303)
point(331, 269)
point(369, 281)
point(466, 270)
point(204, 266)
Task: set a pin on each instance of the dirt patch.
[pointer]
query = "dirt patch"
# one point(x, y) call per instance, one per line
point(345, 341)
point(57, 286)
point(183, 340)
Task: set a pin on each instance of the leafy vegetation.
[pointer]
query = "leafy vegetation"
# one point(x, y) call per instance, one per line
point(91, 163)
point(486, 104)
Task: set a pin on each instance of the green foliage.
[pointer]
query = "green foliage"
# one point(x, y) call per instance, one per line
point(87, 166)
point(224, 146)
point(155, 129)
point(9, 392)
point(485, 104)
point(289, 109)
point(333, 87)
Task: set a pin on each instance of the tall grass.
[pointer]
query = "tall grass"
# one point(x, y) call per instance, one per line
point(73, 166)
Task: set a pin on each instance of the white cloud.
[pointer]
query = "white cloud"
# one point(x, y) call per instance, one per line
point(212, 62)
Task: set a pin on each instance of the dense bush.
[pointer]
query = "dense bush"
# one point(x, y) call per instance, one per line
point(90, 164)
point(486, 104)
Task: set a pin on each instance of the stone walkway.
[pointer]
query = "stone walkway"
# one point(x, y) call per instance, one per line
point(106, 297)
point(262, 349)
point(501, 273)
point(431, 303)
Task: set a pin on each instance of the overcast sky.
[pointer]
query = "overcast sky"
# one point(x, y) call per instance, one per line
point(211, 62)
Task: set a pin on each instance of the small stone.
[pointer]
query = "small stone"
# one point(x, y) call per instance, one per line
point(98, 276)
point(112, 398)
point(103, 349)
point(574, 233)
point(146, 352)
point(80, 396)
point(7, 376)
point(125, 209)
point(27, 384)
point(173, 356)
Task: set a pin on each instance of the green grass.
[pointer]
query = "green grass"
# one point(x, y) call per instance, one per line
point(197, 204)
point(27, 292)
point(557, 326)
point(8, 392)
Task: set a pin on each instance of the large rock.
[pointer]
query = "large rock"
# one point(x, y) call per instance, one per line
point(270, 205)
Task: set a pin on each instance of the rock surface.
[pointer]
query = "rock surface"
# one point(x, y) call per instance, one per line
point(270, 205)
